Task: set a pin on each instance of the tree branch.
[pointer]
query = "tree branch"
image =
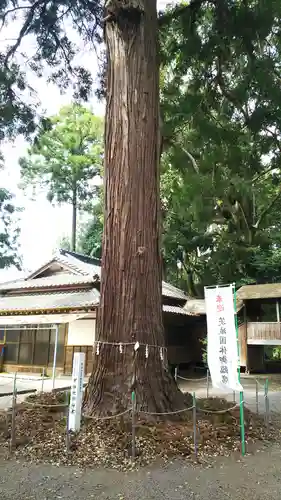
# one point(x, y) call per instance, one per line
point(274, 137)
point(10, 11)
point(23, 31)
point(192, 159)
point(266, 210)
point(228, 95)
point(261, 174)
point(175, 13)
point(245, 221)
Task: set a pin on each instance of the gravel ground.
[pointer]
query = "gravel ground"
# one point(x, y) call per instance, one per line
point(256, 477)
point(198, 386)
point(25, 382)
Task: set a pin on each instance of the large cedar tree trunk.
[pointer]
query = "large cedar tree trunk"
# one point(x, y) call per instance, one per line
point(131, 305)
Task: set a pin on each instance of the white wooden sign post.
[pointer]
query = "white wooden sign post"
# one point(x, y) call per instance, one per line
point(76, 395)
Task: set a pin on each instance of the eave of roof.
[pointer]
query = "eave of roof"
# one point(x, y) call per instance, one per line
point(49, 302)
point(175, 310)
point(172, 291)
point(82, 270)
point(49, 282)
point(265, 291)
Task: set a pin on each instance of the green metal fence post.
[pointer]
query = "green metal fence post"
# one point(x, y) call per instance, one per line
point(241, 404)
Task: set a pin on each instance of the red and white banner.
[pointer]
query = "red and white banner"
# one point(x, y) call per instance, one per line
point(222, 340)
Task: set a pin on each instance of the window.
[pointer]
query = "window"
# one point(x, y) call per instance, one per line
point(42, 347)
point(12, 335)
point(60, 346)
point(11, 353)
point(269, 312)
point(41, 354)
point(27, 335)
point(33, 344)
point(25, 354)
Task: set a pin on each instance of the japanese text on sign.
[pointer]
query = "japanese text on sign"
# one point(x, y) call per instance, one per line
point(76, 393)
point(222, 341)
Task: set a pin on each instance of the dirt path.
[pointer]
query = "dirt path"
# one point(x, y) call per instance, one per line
point(254, 478)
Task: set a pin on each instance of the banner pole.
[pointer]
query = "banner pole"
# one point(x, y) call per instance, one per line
point(242, 423)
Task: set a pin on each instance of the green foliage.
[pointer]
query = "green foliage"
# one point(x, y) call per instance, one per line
point(220, 103)
point(276, 353)
point(49, 25)
point(8, 232)
point(66, 156)
point(16, 117)
point(221, 108)
point(272, 353)
point(204, 350)
point(64, 243)
point(90, 237)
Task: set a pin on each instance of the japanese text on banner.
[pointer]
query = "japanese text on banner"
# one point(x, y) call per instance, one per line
point(222, 341)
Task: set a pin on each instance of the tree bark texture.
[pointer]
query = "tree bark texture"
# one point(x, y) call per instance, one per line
point(131, 296)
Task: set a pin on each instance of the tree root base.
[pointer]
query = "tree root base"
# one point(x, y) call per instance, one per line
point(108, 443)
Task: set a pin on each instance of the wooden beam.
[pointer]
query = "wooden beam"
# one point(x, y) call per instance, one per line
point(23, 391)
point(264, 342)
point(277, 311)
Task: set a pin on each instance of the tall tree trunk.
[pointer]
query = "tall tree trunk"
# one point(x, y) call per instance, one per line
point(74, 217)
point(131, 298)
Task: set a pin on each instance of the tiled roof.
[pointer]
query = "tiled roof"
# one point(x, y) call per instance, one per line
point(85, 270)
point(91, 267)
point(47, 301)
point(267, 291)
point(71, 263)
point(60, 300)
point(175, 310)
point(48, 282)
point(172, 291)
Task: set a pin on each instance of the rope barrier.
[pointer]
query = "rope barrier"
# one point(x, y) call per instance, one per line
point(192, 379)
point(108, 417)
point(166, 413)
point(35, 381)
point(258, 382)
point(204, 410)
point(39, 405)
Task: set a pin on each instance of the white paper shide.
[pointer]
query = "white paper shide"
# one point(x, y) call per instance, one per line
point(76, 395)
point(222, 341)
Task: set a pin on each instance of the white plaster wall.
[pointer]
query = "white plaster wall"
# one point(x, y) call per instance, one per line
point(81, 332)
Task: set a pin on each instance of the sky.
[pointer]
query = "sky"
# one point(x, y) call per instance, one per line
point(42, 225)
